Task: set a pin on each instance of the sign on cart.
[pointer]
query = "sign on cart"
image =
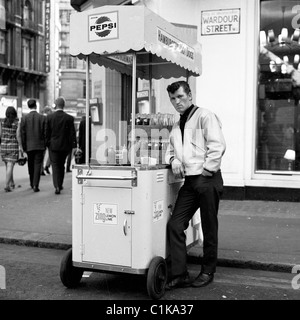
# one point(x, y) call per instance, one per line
point(158, 210)
point(105, 213)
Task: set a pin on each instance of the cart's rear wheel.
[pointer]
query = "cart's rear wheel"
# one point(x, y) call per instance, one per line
point(70, 276)
point(157, 278)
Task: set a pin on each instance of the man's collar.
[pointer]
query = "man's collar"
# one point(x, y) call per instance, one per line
point(187, 112)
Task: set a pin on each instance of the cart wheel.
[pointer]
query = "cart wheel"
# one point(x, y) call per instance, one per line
point(157, 278)
point(70, 276)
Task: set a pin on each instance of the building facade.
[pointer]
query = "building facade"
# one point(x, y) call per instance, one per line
point(72, 75)
point(251, 79)
point(22, 54)
point(52, 54)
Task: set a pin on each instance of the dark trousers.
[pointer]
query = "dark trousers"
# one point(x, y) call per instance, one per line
point(197, 191)
point(58, 159)
point(35, 163)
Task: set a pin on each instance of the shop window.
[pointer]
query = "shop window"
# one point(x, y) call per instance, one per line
point(278, 115)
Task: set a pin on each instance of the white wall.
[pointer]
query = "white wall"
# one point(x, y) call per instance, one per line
point(222, 88)
point(227, 84)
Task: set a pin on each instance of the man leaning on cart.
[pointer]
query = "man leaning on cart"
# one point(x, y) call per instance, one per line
point(195, 151)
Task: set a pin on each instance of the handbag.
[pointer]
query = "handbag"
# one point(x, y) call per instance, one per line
point(78, 156)
point(22, 159)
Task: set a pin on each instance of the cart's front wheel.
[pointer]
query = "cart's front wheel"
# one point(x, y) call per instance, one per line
point(157, 278)
point(70, 276)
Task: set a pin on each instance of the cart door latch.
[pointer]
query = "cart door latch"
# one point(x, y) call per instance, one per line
point(129, 212)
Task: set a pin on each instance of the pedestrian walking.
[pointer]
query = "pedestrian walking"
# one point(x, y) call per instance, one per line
point(33, 137)
point(82, 140)
point(195, 152)
point(61, 139)
point(47, 110)
point(10, 145)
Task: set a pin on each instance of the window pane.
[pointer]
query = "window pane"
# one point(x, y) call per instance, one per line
point(278, 143)
point(2, 42)
point(26, 53)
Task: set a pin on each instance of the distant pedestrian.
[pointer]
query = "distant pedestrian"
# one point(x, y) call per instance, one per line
point(33, 135)
point(10, 144)
point(82, 139)
point(47, 110)
point(61, 139)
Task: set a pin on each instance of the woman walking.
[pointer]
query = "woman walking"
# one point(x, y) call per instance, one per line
point(10, 142)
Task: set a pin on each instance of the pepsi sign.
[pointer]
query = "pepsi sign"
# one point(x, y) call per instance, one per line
point(103, 26)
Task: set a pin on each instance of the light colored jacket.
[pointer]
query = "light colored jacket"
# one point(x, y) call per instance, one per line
point(203, 145)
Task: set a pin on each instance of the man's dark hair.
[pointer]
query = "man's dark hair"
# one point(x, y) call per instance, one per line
point(31, 103)
point(176, 85)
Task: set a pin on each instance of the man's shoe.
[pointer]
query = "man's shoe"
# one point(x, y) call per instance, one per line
point(203, 280)
point(36, 189)
point(182, 281)
point(57, 191)
point(43, 173)
point(47, 170)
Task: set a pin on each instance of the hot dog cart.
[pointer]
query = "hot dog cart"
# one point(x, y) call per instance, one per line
point(122, 196)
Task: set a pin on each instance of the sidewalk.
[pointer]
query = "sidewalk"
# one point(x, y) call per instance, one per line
point(252, 234)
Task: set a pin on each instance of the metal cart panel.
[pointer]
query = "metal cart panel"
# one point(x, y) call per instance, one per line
point(107, 226)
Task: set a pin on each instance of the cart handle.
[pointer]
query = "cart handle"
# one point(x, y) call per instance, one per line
point(125, 227)
point(105, 177)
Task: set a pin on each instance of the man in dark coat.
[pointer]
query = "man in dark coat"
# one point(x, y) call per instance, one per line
point(82, 138)
point(33, 136)
point(61, 139)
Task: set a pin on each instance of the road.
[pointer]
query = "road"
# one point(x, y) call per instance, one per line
point(33, 274)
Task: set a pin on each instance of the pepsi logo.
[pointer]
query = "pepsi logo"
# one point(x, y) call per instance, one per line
point(103, 26)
